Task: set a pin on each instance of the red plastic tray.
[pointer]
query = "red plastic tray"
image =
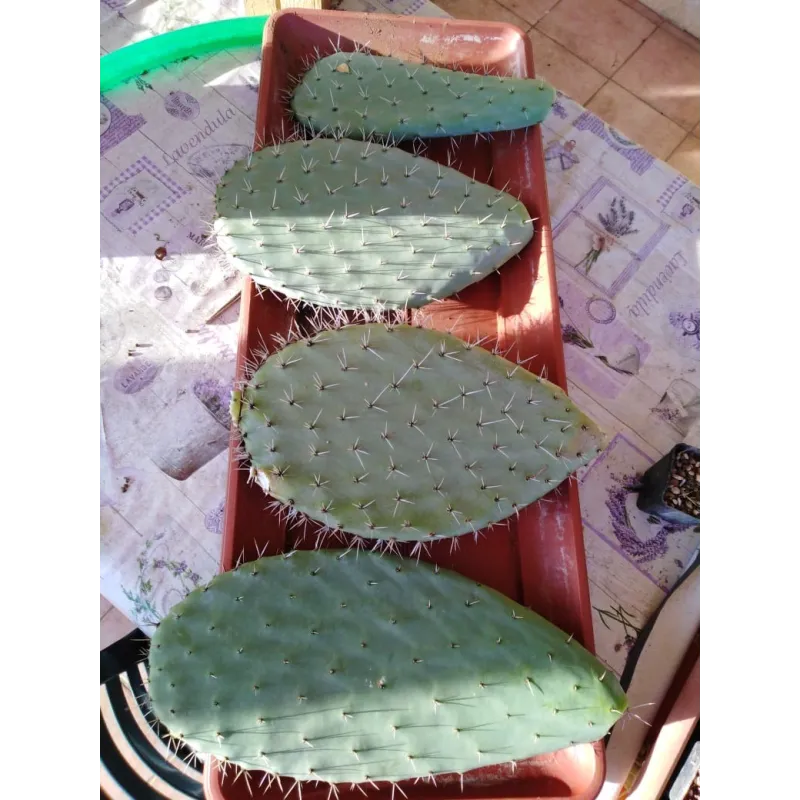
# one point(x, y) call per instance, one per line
point(539, 559)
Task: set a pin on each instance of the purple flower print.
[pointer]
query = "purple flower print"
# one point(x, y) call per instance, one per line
point(640, 551)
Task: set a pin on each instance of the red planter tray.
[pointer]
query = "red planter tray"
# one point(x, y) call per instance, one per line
point(539, 558)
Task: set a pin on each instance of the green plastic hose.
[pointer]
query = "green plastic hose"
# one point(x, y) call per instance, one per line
point(209, 37)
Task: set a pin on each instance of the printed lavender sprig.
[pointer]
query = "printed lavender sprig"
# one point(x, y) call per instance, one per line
point(571, 335)
point(180, 569)
point(623, 618)
point(618, 221)
point(640, 551)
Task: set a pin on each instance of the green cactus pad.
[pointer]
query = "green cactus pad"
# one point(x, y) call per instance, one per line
point(338, 223)
point(398, 432)
point(343, 667)
point(362, 95)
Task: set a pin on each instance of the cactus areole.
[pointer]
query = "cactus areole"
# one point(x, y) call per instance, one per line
point(399, 432)
point(360, 95)
point(354, 225)
point(348, 667)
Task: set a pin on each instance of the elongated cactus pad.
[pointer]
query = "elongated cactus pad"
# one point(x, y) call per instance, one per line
point(343, 667)
point(362, 95)
point(406, 433)
point(339, 223)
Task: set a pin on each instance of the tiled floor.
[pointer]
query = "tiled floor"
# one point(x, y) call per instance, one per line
point(113, 623)
point(618, 58)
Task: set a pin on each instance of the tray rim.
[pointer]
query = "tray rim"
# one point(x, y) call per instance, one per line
point(505, 325)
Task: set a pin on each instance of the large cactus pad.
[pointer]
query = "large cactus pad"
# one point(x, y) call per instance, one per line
point(407, 433)
point(352, 225)
point(359, 94)
point(345, 668)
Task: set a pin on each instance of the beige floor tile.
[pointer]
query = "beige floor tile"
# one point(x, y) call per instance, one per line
point(113, 626)
point(696, 130)
point(530, 10)
point(564, 70)
point(665, 73)
point(105, 606)
point(686, 158)
point(646, 12)
point(636, 120)
point(482, 9)
point(604, 33)
point(684, 36)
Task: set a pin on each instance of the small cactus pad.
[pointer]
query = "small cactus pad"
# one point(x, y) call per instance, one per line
point(348, 668)
point(406, 433)
point(362, 95)
point(339, 223)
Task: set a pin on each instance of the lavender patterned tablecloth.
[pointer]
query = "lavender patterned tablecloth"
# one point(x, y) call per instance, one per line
point(626, 238)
